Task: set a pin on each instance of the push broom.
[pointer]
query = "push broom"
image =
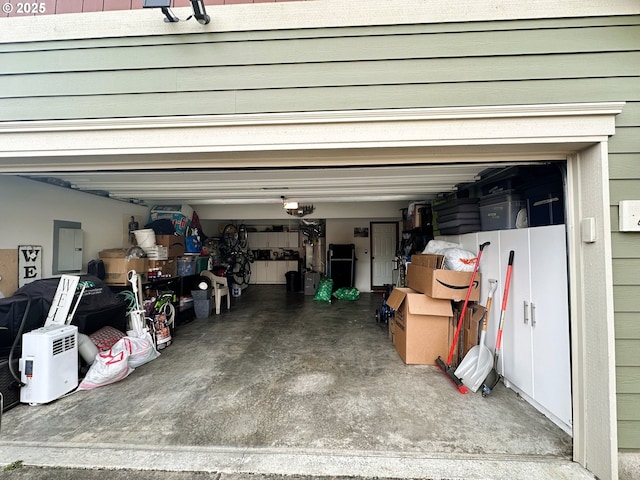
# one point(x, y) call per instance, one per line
point(446, 367)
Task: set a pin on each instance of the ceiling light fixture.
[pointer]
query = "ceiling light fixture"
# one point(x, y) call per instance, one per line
point(295, 209)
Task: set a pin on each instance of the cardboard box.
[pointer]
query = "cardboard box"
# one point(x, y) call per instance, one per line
point(113, 253)
point(421, 326)
point(392, 328)
point(427, 260)
point(167, 267)
point(116, 267)
point(174, 244)
point(444, 284)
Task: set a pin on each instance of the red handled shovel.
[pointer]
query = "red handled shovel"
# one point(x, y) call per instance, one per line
point(494, 377)
point(446, 367)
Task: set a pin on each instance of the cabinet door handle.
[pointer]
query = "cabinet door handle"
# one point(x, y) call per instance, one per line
point(533, 314)
point(526, 312)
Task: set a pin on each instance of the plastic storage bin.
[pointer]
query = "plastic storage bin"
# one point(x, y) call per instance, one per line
point(545, 204)
point(500, 211)
point(186, 267)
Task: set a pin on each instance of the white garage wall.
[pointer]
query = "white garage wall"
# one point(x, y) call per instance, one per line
point(28, 209)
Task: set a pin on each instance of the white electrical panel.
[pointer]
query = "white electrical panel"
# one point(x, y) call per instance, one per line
point(629, 216)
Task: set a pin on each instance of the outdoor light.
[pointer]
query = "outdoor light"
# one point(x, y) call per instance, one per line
point(199, 11)
point(164, 6)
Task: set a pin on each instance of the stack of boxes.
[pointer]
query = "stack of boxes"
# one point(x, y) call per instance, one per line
point(165, 254)
point(424, 324)
point(117, 264)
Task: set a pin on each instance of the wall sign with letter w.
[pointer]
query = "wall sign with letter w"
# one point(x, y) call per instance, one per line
point(29, 264)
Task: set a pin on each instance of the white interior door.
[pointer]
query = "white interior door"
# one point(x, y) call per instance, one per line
point(383, 247)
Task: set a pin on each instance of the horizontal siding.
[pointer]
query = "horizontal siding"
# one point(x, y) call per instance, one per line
point(260, 77)
point(625, 245)
point(261, 35)
point(625, 298)
point(624, 166)
point(626, 271)
point(628, 380)
point(629, 435)
point(628, 353)
point(626, 189)
point(336, 49)
point(630, 116)
point(628, 407)
point(319, 99)
point(626, 139)
point(628, 326)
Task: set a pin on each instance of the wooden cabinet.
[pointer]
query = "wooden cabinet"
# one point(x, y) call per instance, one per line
point(535, 344)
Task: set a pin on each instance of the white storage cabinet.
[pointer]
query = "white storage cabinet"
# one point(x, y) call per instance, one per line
point(271, 271)
point(535, 344)
point(272, 240)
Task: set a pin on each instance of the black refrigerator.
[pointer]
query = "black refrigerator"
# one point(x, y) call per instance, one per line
point(342, 265)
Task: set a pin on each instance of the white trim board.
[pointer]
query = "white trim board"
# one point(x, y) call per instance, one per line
point(278, 139)
point(298, 15)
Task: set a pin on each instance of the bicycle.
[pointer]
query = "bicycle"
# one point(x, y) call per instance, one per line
point(234, 249)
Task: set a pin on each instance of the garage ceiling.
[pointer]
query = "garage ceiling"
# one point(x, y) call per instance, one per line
point(266, 186)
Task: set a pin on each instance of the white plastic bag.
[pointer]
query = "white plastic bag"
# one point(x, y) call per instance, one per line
point(437, 247)
point(459, 260)
point(110, 366)
point(141, 349)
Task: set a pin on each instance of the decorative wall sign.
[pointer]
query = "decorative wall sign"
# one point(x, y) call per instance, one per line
point(361, 232)
point(29, 264)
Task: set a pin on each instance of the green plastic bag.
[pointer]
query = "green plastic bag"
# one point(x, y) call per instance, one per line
point(346, 293)
point(323, 292)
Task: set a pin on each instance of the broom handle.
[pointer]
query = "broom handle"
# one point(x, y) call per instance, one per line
point(505, 296)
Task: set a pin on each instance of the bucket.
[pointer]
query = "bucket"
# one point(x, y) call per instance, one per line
point(146, 238)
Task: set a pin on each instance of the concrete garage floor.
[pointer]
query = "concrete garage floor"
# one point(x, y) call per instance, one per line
point(284, 385)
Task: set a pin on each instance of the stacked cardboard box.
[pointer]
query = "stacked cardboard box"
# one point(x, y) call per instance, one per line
point(117, 266)
point(423, 325)
point(425, 275)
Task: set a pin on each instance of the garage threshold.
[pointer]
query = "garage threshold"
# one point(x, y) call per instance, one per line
point(282, 384)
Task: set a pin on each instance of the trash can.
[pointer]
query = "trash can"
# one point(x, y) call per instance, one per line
point(202, 303)
point(293, 281)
